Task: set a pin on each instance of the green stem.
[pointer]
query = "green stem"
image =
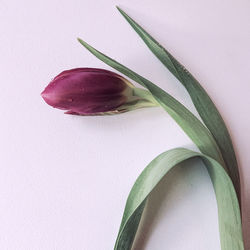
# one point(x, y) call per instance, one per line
point(146, 96)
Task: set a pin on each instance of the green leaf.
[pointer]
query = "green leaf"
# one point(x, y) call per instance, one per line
point(192, 126)
point(200, 98)
point(228, 207)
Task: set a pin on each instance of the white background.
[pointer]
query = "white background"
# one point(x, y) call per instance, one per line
point(64, 179)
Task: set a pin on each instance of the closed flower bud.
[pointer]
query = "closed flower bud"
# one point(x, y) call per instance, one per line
point(90, 91)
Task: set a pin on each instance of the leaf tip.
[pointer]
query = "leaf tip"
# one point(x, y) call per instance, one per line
point(120, 10)
point(82, 42)
point(79, 40)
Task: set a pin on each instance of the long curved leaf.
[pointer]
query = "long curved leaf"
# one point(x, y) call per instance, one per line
point(192, 126)
point(228, 207)
point(204, 105)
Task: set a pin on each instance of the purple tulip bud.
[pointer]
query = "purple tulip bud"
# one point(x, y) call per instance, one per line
point(90, 91)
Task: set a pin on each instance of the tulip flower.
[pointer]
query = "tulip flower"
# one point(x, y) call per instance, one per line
point(91, 91)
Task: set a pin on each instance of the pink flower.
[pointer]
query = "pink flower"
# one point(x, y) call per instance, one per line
point(90, 91)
